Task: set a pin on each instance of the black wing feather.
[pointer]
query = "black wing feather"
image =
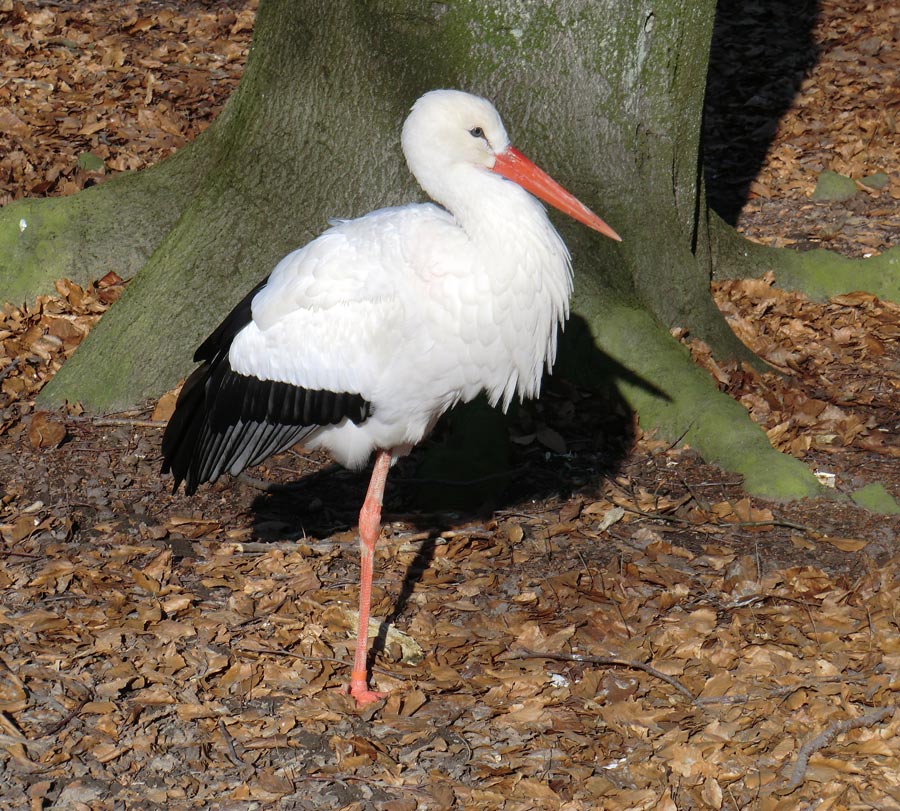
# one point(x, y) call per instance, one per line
point(225, 421)
point(221, 337)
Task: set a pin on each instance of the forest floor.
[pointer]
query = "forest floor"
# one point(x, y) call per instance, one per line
point(621, 628)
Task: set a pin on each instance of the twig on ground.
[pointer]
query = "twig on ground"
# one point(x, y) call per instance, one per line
point(353, 778)
point(12, 365)
point(826, 736)
point(699, 701)
point(404, 543)
point(264, 547)
point(229, 742)
point(264, 486)
point(64, 721)
point(674, 519)
point(110, 422)
point(608, 661)
point(776, 692)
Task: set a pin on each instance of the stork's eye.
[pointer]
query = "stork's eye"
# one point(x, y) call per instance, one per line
point(476, 132)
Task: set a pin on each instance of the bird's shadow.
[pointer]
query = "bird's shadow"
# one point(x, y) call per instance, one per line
point(567, 442)
point(478, 460)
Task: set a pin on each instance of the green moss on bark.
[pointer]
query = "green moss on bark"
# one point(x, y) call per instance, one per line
point(172, 305)
point(822, 274)
point(656, 377)
point(819, 274)
point(110, 227)
point(875, 498)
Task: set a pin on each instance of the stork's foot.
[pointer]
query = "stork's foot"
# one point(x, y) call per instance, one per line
point(359, 689)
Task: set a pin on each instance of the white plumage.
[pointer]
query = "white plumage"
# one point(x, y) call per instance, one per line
point(416, 308)
point(361, 339)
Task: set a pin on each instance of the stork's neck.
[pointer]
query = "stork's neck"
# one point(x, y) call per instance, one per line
point(492, 210)
point(516, 250)
point(512, 237)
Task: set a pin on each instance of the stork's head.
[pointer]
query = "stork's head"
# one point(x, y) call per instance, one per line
point(447, 127)
point(448, 132)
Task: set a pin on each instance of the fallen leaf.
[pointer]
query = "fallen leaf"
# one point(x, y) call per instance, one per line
point(165, 406)
point(845, 544)
point(45, 431)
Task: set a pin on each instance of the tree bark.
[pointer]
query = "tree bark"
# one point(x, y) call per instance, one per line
point(605, 94)
point(111, 227)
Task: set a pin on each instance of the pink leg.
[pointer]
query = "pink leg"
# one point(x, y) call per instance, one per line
point(369, 530)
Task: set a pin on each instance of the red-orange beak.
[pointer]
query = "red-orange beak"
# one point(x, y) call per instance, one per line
point(514, 166)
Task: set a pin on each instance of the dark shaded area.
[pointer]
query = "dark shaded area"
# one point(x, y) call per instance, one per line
point(478, 460)
point(477, 463)
point(570, 439)
point(761, 50)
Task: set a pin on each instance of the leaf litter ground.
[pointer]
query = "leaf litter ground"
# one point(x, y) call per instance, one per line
point(623, 629)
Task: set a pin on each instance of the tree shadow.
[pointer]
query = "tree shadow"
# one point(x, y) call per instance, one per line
point(760, 53)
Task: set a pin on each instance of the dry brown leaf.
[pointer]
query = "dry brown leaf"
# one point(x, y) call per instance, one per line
point(165, 406)
point(45, 431)
point(846, 544)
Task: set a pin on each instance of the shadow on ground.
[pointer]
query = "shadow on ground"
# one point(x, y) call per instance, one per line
point(760, 53)
point(478, 462)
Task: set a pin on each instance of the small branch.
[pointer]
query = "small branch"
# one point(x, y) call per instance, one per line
point(674, 519)
point(702, 701)
point(264, 547)
point(12, 365)
point(702, 503)
point(776, 692)
point(110, 422)
point(404, 543)
point(229, 742)
point(446, 535)
point(353, 778)
point(63, 722)
point(609, 661)
point(299, 657)
point(265, 487)
point(826, 736)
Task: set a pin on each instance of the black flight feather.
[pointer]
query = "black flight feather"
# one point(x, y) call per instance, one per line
point(225, 421)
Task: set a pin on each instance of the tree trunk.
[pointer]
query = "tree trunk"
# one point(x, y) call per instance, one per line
point(605, 94)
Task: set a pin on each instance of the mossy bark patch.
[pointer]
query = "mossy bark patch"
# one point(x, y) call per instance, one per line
point(113, 226)
point(832, 187)
point(657, 378)
point(878, 181)
point(820, 274)
point(875, 498)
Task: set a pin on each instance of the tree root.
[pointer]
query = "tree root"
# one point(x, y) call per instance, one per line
point(143, 345)
point(657, 379)
point(820, 274)
point(113, 226)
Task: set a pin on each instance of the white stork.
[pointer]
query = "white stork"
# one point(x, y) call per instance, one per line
point(360, 340)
